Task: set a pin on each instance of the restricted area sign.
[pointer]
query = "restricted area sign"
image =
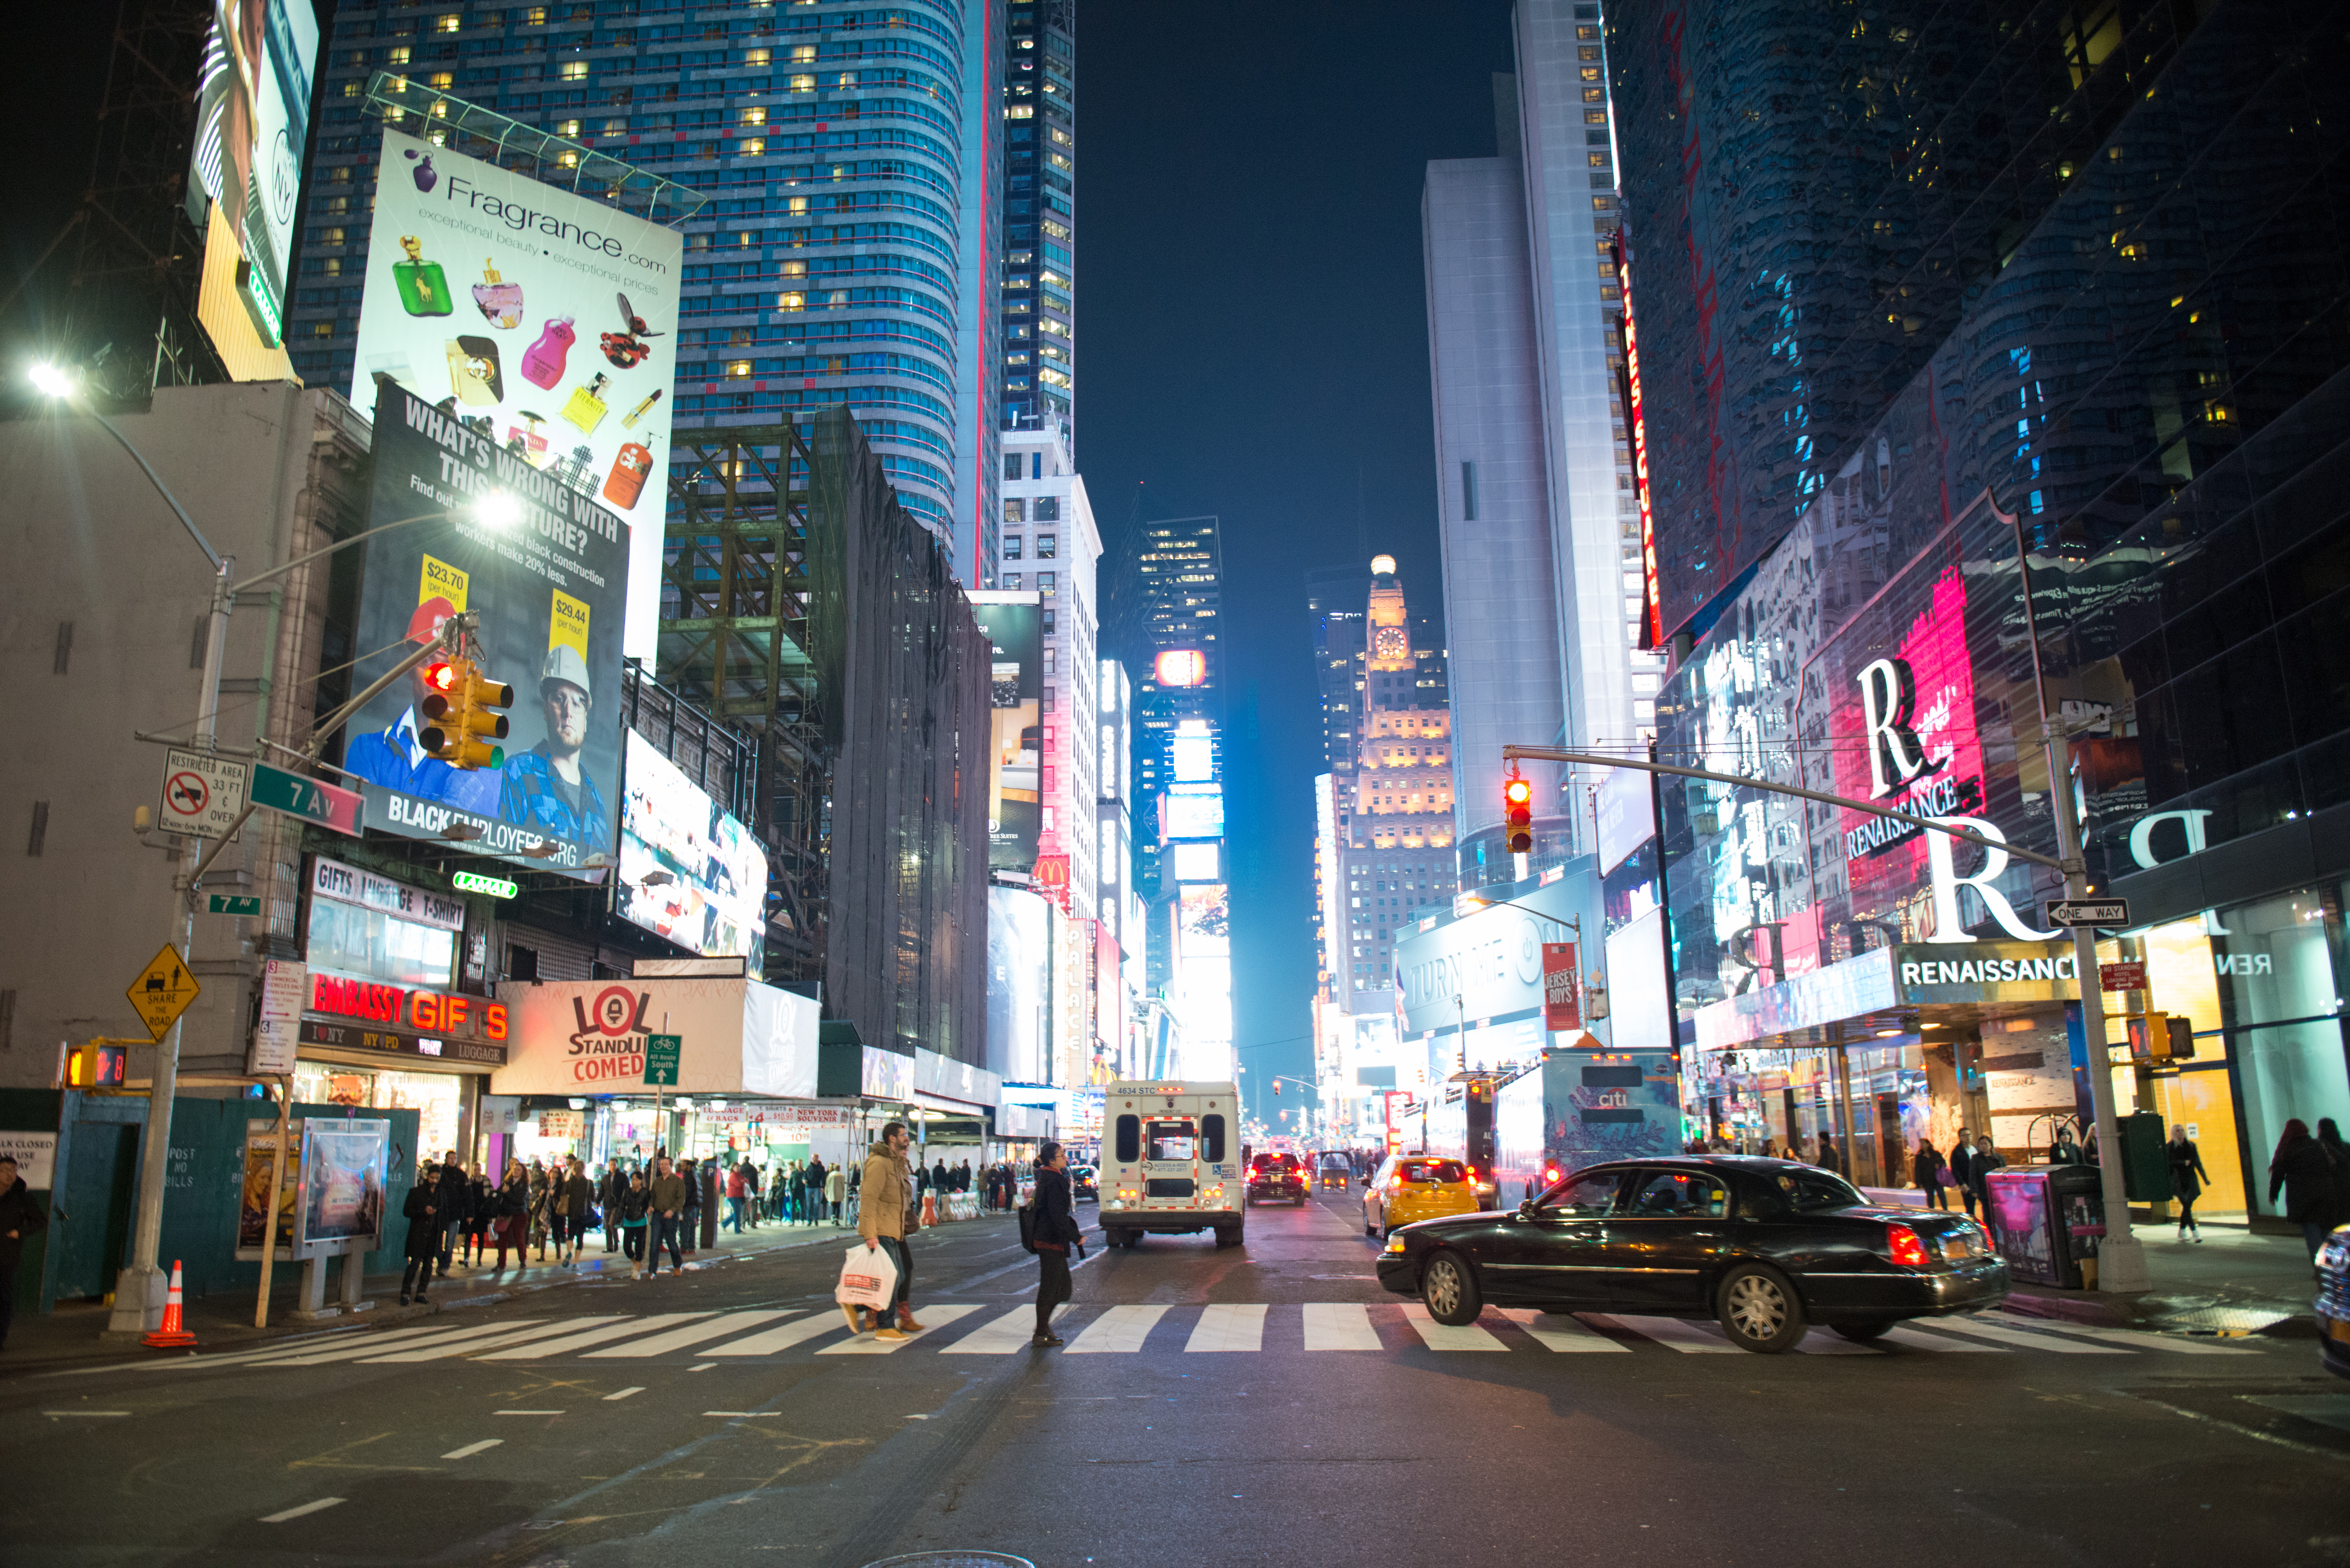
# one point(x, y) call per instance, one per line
point(661, 1058)
point(162, 992)
point(2076, 912)
point(203, 794)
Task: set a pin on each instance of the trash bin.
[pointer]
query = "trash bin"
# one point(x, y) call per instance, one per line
point(2047, 1221)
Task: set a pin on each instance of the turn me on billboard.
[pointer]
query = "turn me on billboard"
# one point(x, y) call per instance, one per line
point(690, 872)
point(244, 185)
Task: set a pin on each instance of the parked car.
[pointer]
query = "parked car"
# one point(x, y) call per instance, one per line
point(2333, 1303)
point(1409, 1188)
point(1767, 1247)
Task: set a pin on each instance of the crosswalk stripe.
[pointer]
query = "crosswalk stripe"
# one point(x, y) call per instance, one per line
point(1998, 1336)
point(375, 1346)
point(1560, 1331)
point(1689, 1338)
point(1002, 1335)
point(781, 1337)
point(1917, 1341)
point(872, 1344)
point(516, 1333)
point(1120, 1329)
point(1228, 1325)
point(1828, 1342)
point(1340, 1325)
point(694, 1334)
point(2143, 1341)
point(582, 1340)
point(1443, 1336)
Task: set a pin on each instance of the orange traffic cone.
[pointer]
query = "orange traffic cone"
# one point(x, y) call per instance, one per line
point(173, 1335)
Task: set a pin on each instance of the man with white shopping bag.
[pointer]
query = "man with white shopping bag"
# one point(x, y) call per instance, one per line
point(888, 1186)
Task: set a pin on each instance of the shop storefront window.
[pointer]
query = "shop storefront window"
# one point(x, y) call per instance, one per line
point(368, 944)
point(436, 1098)
point(2182, 982)
point(2278, 988)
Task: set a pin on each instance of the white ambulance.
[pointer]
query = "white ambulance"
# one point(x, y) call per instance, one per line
point(1171, 1161)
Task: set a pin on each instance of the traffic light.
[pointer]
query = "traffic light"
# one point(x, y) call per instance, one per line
point(1518, 807)
point(97, 1067)
point(462, 716)
point(1276, 1089)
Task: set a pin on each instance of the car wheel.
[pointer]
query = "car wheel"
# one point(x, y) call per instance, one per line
point(1759, 1310)
point(1863, 1332)
point(1369, 1229)
point(1450, 1291)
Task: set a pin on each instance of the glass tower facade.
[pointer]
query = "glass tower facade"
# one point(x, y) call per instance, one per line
point(1040, 167)
point(852, 156)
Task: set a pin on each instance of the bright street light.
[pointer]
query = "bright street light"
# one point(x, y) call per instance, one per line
point(498, 510)
point(52, 381)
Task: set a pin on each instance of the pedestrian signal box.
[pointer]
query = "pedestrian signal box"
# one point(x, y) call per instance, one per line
point(97, 1067)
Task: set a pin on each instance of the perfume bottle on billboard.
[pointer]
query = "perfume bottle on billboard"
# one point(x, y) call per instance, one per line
point(500, 301)
point(586, 408)
point(526, 439)
point(625, 483)
point(423, 286)
point(542, 365)
point(473, 373)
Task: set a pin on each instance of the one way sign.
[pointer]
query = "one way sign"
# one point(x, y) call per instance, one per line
point(2075, 912)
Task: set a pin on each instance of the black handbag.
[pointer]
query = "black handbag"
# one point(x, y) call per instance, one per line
point(1028, 1227)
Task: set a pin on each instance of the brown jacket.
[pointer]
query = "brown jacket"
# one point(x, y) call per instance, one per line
point(668, 1193)
point(881, 1194)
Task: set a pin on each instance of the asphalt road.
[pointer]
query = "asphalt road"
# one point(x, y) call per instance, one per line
point(1267, 1404)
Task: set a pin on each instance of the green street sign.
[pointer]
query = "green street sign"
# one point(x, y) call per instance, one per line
point(661, 1058)
point(308, 798)
point(475, 882)
point(225, 904)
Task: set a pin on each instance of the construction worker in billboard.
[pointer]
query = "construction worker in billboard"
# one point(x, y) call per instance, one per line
point(395, 759)
point(546, 789)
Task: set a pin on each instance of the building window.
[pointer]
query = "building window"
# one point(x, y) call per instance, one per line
point(803, 84)
point(575, 71)
point(1048, 509)
point(1468, 492)
point(1047, 546)
point(750, 57)
point(1011, 466)
point(1046, 580)
point(1012, 541)
point(1011, 581)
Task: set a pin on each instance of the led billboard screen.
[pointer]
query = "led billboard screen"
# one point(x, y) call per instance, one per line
point(1203, 980)
point(1014, 627)
point(1197, 862)
point(689, 871)
point(1181, 667)
point(245, 186)
point(562, 347)
point(1193, 812)
point(1193, 757)
point(547, 587)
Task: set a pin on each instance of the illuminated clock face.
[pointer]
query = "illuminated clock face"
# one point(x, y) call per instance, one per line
point(1392, 643)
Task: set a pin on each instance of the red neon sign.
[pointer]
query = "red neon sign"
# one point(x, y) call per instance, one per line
point(427, 1012)
point(1652, 607)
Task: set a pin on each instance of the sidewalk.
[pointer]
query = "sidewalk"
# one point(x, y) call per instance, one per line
point(75, 1332)
point(2232, 1281)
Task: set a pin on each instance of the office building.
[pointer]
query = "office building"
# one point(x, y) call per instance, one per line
point(1040, 167)
point(848, 253)
point(1536, 501)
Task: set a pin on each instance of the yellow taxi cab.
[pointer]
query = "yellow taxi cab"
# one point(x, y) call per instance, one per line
point(1408, 1188)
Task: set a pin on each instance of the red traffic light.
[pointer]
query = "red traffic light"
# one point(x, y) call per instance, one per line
point(441, 675)
point(1518, 792)
point(1518, 812)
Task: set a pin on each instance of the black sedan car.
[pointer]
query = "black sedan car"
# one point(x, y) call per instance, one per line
point(1276, 1179)
point(1766, 1246)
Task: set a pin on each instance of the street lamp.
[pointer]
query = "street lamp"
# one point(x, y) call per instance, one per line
point(142, 1285)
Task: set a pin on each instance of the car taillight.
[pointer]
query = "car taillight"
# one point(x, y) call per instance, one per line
point(1396, 1182)
point(1908, 1250)
point(1551, 1174)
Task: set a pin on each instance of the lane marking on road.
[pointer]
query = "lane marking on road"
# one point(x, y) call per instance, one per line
point(1340, 1325)
point(718, 1327)
point(54, 1415)
point(782, 1338)
point(270, 1351)
point(1228, 1325)
point(1444, 1336)
point(1998, 1336)
point(742, 1414)
point(1828, 1342)
point(702, 1366)
point(470, 1449)
point(1559, 1332)
point(1119, 1329)
point(867, 1345)
point(612, 1399)
point(298, 1512)
point(526, 1412)
point(373, 1346)
point(581, 1341)
point(1689, 1338)
point(2137, 1338)
point(1916, 1340)
point(1002, 1335)
point(516, 1333)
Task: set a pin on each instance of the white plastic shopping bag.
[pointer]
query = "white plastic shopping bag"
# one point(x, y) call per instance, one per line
point(867, 1278)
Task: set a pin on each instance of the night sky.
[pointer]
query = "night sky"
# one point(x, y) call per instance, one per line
point(1252, 342)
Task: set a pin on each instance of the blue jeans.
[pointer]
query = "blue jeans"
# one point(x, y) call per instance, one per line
point(735, 1214)
point(664, 1234)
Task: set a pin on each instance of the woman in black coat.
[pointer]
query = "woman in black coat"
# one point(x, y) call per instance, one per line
point(1925, 1169)
point(2307, 1177)
point(1053, 1232)
point(425, 1229)
point(2187, 1177)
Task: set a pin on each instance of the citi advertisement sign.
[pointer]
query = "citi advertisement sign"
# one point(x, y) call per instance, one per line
point(609, 1045)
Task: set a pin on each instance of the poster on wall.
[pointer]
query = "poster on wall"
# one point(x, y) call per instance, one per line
point(544, 322)
point(547, 584)
point(1014, 627)
point(252, 1197)
point(689, 871)
point(245, 184)
point(343, 1167)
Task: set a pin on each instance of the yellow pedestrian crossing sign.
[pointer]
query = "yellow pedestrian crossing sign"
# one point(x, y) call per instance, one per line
point(162, 992)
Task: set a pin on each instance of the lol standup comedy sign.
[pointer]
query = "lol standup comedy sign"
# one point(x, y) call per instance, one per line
point(547, 581)
point(544, 320)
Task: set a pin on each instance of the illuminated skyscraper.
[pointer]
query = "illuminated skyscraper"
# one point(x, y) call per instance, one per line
point(1040, 169)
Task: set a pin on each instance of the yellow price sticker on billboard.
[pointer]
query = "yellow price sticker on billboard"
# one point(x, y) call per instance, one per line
point(566, 626)
point(442, 581)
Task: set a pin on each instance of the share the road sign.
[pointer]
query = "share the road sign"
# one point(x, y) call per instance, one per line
point(162, 992)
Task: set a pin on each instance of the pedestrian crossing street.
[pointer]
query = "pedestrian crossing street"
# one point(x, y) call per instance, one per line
point(739, 1339)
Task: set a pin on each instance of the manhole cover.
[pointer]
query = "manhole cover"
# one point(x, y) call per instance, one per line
point(2223, 1320)
point(954, 1559)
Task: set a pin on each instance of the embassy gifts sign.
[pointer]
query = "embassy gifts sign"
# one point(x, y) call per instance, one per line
point(546, 321)
point(549, 588)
